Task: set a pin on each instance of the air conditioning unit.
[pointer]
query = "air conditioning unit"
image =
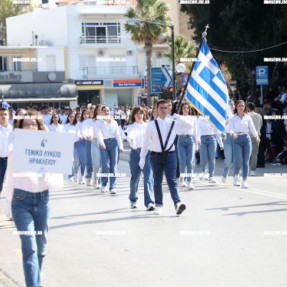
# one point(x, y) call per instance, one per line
point(130, 52)
point(101, 52)
point(159, 54)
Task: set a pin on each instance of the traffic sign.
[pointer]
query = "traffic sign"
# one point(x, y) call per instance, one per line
point(160, 79)
point(262, 75)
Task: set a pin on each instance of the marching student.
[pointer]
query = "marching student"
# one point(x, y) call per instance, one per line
point(159, 138)
point(28, 200)
point(79, 152)
point(18, 113)
point(70, 128)
point(239, 126)
point(95, 148)
point(207, 136)
point(110, 142)
point(5, 132)
point(228, 147)
point(46, 116)
point(136, 131)
point(87, 132)
point(187, 145)
point(55, 124)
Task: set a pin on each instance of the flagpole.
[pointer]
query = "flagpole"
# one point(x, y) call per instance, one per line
point(204, 34)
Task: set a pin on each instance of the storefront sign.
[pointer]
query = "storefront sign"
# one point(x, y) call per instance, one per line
point(130, 83)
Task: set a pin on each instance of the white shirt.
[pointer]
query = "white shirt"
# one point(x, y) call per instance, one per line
point(28, 181)
point(227, 125)
point(204, 128)
point(86, 128)
point(11, 122)
point(71, 129)
point(59, 128)
point(151, 139)
point(136, 134)
point(192, 130)
point(238, 125)
point(109, 130)
point(63, 118)
point(4, 140)
point(47, 119)
point(94, 125)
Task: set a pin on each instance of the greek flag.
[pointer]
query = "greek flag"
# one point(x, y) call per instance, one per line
point(5, 105)
point(207, 90)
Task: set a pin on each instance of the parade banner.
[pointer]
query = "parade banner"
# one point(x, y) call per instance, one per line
point(41, 151)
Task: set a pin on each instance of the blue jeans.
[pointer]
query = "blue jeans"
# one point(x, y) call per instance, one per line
point(3, 166)
point(81, 152)
point(96, 158)
point(186, 150)
point(242, 148)
point(207, 151)
point(109, 158)
point(228, 154)
point(89, 164)
point(31, 212)
point(76, 164)
point(170, 174)
point(135, 177)
point(177, 158)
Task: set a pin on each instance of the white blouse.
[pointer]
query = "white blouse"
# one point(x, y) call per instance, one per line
point(109, 130)
point(71, 129)
point(59, 128)
point(238, 125)
point(136, 134)
point(204, 128)
point(86, 128)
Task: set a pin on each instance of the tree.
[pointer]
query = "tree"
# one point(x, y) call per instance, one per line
point(241, 25)
point(8, 9)
point(182, 49)
point(148, 34)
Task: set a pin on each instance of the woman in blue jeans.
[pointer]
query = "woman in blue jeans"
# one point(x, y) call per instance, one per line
point(28, 197)
point(135, 138)
point(186, 145)
point(110, 141)
point(239, 127)
point(228, 147)
point(80, 151)
point(95, 148)
point(207, 136)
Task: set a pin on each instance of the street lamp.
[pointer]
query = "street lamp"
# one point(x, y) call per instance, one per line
point(133, 21)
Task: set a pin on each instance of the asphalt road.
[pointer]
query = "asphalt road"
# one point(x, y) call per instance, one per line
point(227, 237)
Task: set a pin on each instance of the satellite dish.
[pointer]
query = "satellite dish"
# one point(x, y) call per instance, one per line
point(180, 68)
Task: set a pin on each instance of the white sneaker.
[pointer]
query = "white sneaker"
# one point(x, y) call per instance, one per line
point(134, 205)
point(75, 177)
point(113, 191)
point(178, 181)
point(206, 177)
point(180, 207)
point(201, 176)
point(96, 184)
point(236, 181)
point(252, 173)
point(212, 180)
point(157, 210)
point(190, 186)
point(103, 189)
point(244, 184)
point(150, 207)
point(72, 179)
point(82, 180)
point(223, 179)
point(89, 182)
point(183, 184)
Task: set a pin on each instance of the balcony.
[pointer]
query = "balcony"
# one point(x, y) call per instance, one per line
point(110, 70)
point(101, 40)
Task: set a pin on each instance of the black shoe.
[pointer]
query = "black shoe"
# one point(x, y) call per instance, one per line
point(180, 207)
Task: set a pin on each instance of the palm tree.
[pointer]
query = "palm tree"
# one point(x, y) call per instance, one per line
point(182, 49)
point(152, 11)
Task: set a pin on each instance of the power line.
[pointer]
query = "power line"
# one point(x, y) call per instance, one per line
point(252, 51)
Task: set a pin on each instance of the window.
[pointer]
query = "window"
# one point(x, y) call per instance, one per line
point(3, 64)
point(17, 64)
point(101, 33)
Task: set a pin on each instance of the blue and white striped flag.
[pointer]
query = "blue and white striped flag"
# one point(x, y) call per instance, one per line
point(207, 89)
point(5, 105)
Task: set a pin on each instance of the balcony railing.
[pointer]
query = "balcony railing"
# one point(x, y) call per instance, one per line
point(101, 40)
point(107, 2)
point(109, 70)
